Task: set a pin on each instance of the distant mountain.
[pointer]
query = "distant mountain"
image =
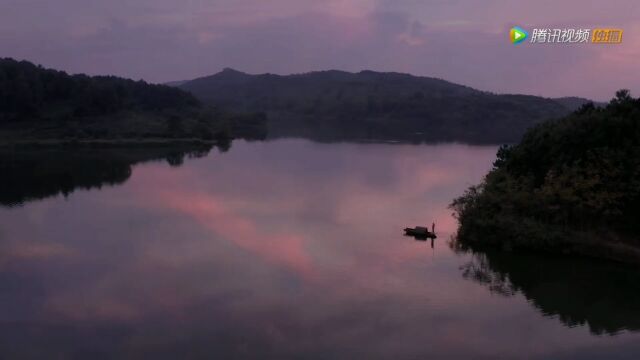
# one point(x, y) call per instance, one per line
point(176, 83)
point(338, 105)
point(574, 103)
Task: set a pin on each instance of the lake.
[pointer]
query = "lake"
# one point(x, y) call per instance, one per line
point(282, 249)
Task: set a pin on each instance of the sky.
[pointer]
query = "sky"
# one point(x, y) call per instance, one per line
point(463, 41)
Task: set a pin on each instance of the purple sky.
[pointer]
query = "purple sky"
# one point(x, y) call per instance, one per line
point(461, 41)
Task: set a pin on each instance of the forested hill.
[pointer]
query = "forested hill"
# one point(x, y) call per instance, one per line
point(371, 105)
point(571, 185)
point(29, 91)
point(38, 103)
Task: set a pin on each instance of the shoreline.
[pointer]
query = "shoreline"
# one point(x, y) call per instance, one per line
point(106, 142)
point(605, 247)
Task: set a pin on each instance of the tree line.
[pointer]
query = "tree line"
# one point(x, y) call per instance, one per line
point(45, 103)
point(570, 182)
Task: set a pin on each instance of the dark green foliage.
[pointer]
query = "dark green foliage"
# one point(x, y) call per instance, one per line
point(570, 181)
point(29, 92)
point(336, 105)
point(38, 103)
point(175, 128)
point(252, 126)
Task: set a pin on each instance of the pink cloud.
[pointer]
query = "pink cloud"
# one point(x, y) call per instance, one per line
point(465, 42)
point(286, 249)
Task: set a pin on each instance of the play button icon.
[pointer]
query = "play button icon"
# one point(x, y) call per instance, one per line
point(517, 35)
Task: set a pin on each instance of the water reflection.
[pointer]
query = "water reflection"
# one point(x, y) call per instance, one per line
point(602, 295)
point(36, 173)
point(284, 249)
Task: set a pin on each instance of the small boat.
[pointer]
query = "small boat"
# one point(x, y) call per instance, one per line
point(421, 232)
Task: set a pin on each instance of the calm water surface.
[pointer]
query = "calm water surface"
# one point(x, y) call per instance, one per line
point(284, 249)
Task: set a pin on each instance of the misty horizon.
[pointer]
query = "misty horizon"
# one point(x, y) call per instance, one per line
point(228, 68)
point(464, 43)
